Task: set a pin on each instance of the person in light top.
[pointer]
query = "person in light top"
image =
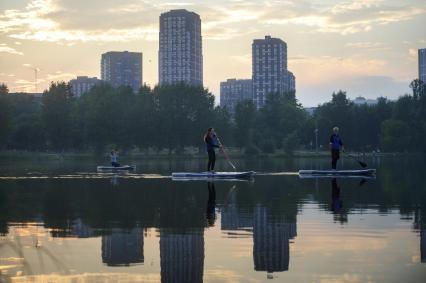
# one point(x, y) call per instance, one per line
point(114, 158)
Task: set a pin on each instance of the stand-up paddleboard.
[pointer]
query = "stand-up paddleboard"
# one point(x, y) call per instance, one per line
point(119, 168)
point(215, 175)
point(338, 173)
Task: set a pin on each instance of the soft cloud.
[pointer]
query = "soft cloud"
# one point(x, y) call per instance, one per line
point(60, 76)
point(47, 20)
point(366, 45)
point(10, 50)
point(348, 18)
point(413, 54)
point(245, 59)
point(324, 68)
point(107, 21)
point(26, 82)
point(113, 35)
point(358, 5)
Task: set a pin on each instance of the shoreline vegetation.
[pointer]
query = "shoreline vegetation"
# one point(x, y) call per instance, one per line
point(172, 119)
point(192, 153)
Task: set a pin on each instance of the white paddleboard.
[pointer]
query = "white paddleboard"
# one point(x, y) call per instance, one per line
point(219, 175)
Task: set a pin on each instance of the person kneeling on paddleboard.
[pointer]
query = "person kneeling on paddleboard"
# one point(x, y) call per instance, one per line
point(336, 145)
point(114, 158)
point(211, 143)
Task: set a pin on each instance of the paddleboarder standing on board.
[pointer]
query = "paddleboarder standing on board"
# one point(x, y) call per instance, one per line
point(211, 143)
point(114, 158)
point(336, 144)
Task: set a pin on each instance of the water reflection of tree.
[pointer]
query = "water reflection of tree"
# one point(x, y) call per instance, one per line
point(86, 208)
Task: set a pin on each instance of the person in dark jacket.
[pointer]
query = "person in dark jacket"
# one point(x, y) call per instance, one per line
point(336, 144)
point(211, 143)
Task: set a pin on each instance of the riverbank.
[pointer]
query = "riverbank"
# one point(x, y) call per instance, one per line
point(188, 153)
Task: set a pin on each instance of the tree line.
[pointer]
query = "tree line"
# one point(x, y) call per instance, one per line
point(173, 117)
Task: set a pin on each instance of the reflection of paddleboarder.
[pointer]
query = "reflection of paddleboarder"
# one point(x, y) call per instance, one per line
point(115, 181)
point(211, 205)
point(336, 203)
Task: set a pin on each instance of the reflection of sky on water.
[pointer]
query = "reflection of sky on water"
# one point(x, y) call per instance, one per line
point(278, 228)
point(370, 247)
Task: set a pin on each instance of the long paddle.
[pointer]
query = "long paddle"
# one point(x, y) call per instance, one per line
point(226, 154)
point(363, 164)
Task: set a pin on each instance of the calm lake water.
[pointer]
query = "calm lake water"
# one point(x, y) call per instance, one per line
point(60, 221)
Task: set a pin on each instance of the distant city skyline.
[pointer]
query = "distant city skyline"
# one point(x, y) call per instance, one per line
point(368, 48)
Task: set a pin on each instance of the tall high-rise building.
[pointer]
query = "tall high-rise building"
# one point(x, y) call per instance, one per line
point(122, 69)
point(269, 69)
point(82, 84)
point(180, 56)
point(422, 64)
point(291, 81)
point(233, 91)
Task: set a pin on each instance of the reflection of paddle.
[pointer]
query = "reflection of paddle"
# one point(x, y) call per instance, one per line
point(362, 182)
point(231, 191)
point(363, 164)
point(225, 153)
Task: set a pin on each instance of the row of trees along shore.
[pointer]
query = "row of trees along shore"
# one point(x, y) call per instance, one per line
point(173, 117)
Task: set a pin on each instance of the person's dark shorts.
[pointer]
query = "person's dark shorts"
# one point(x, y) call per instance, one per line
point(335, 154)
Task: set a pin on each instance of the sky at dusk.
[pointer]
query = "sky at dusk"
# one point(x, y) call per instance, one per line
point(365, 47)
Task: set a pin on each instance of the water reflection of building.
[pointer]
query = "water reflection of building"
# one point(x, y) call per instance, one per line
point(271, 235)
point(235, 218)
point(81, 230)
point(419, 224)
point(182, 256)
point(423, 244)
point(123, 247)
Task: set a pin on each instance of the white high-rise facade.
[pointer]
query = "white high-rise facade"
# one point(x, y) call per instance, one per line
point(122, 69)
point(269, 69)
point(180, 52)
point(82, 84)
point(422, 64)
point(234, 91)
